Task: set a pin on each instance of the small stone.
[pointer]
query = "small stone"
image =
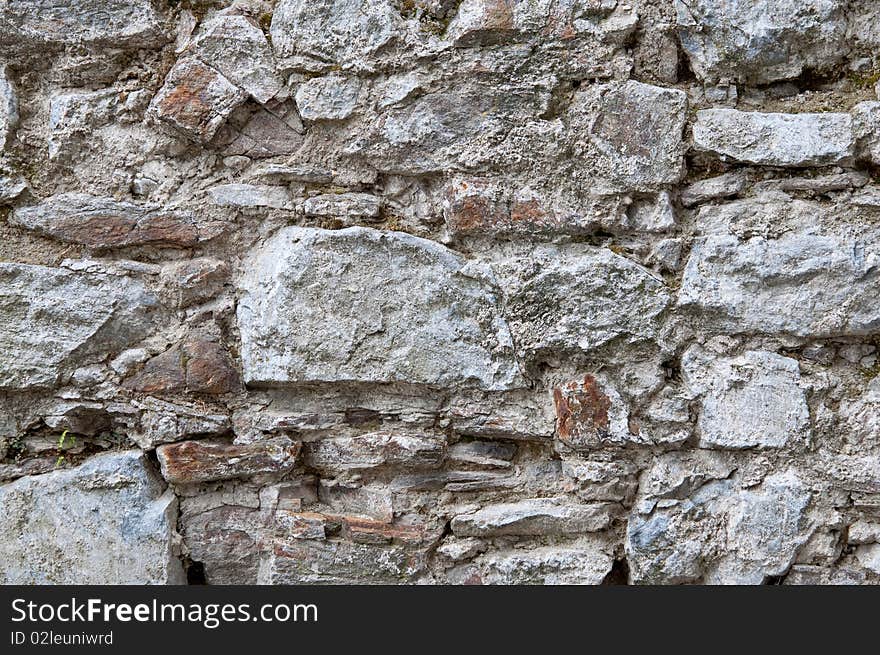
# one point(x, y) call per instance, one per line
point(107, 223)
point(74, 116)
point(204, 461)
point(775, 139)
point(328, 98)
point(8, 107)
point(608, 120)
point(582, 303)
point(373, 450)
point(343, 205)
point(344, 32)
point(539, 516)
point(750, 401)
point(869, 557)
point(128, 360)
point(109, 521)
point(196, 100)
point(866, 116)
point(194, 366)
point(584, 563)
point(864, 532)
point(250, 195)
point(237, 48)
point(802, 283)
point(721, 534)
point(195, 280)
point(714, 188)
point(11, 188)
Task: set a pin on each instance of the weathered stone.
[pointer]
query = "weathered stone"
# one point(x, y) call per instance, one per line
point(869, 557)
point(203, 461)
point(299, 561)
point(761, 41)
point(237, 48)
point(864, 532)
point(328, 98)
point(373, 450)
point(485, 454)
point(713, 188)
point(803, 282)
point(53, 317)
point(195, 280)
point(74, 116)
point(272, 130)
point(720, 534)
point(480, 208)
point(108, 521)
point(343, 205)
point(194, 366)
point(866, 116)
point(750, 401)
point(161, 421)
point(297, 328)
point(8, 107)
point(11, 188)
point(344, 32)
point(110, 23)
point(196, 100)
point(539, 516)
point(107, 223)
point(775, 139)
point(630, 135)
point(581, 303)
point(585, 563)
point(250, 195)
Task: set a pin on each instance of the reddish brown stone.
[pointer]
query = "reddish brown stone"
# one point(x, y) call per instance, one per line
point(194, 366)
point(196, 99)
point(99, 222)
point(204, 461)
point(581, 412)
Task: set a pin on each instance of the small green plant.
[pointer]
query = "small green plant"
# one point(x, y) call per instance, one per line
point(63, 443)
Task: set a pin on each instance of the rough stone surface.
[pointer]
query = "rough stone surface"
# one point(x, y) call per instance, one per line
point(761, 41)
point(772, 139)
point(106, 223)
point(440, 291)
point(752, 401)
point(108, 521)
point(51, 315)
point(111, 23)
point(298, 325)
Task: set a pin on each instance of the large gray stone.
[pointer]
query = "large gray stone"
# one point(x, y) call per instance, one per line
point(51, 317)
point(760, 41)
point(113, 23)
point(775, 139)
point(360, 305)
point(339, 31)
point(719, 533)
point(108, 521)
point(800, 283)
point(581, 303)
point(748, 401)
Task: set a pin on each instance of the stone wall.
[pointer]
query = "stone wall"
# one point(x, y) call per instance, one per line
point(440, 291)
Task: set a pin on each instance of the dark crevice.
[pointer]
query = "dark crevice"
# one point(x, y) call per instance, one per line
point(619, 573)
point(195, 572)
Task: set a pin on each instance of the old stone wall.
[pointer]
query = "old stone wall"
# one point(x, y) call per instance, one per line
point(440, 291)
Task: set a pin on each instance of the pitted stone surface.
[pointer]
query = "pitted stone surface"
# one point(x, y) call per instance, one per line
point(308, 314)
